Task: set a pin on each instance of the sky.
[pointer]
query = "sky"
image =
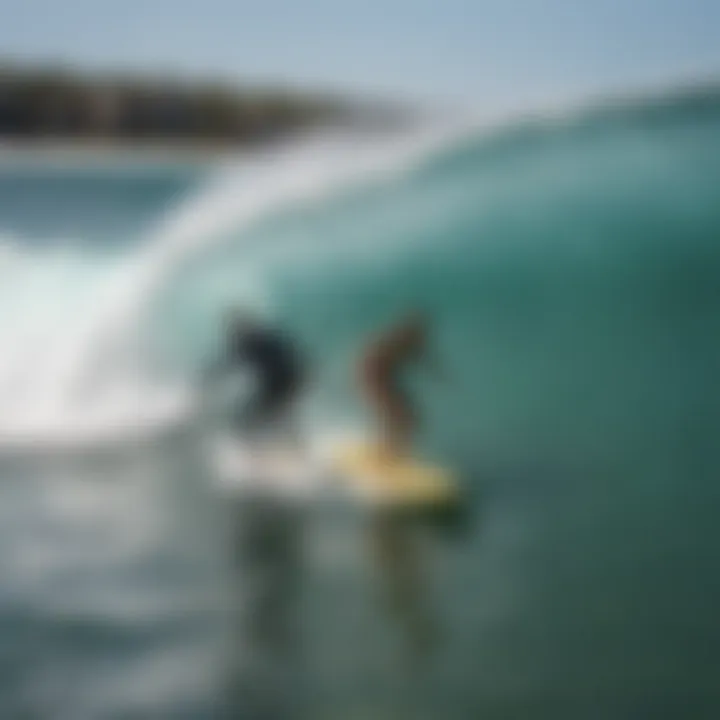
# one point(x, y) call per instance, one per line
point(475, 53)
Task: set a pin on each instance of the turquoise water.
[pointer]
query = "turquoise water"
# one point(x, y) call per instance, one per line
point(571, 268)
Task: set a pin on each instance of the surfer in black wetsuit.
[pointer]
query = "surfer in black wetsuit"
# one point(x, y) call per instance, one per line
point(275, 361)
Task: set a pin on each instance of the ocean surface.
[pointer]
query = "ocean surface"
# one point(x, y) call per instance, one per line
point(571, 266)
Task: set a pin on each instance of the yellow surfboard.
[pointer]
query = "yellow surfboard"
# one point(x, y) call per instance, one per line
point(396, 480)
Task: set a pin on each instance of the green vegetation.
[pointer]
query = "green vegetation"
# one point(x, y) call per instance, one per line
point(55, 104)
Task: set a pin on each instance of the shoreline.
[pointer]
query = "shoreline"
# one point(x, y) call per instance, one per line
point(122, 152)
point(161, 152)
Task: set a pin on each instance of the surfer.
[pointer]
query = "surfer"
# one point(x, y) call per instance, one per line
point(276, 364)
point(381, 366)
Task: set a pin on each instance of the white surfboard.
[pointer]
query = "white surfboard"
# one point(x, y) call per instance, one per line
point(253, 466)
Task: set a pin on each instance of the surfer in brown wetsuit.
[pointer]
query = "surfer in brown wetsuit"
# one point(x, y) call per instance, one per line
point(381, 366)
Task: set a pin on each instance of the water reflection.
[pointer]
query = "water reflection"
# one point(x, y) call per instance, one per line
point(264, 680)
point(400, 560)
point(402, 547)
point(267, 677)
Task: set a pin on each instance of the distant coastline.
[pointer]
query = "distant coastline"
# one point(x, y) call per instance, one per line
point(55, 112)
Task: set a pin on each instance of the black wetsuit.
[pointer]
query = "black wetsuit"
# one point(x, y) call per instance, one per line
point(276, 363)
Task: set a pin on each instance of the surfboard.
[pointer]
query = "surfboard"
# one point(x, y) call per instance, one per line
point(401, 480)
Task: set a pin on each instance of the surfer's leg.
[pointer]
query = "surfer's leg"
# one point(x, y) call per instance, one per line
point(394, 414)
point(392, 410)
point(396, 419)
point(277, 409)
point(401, 421)
point(252, 416)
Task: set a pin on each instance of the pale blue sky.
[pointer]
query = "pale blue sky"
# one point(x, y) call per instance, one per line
point(493, 53)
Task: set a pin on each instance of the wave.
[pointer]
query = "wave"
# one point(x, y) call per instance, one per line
point(74, 372)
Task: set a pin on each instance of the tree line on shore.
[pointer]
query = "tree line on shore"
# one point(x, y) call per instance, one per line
point(46, 103)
